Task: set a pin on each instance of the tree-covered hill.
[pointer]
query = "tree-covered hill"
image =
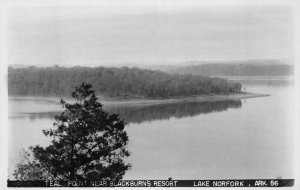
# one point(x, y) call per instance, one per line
point(113, 82)
point(234, 69)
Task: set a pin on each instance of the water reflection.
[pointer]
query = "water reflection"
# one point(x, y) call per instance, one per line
point(139, 114)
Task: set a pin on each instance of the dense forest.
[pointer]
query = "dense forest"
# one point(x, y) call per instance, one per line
point(113, 82)
point(233, 69)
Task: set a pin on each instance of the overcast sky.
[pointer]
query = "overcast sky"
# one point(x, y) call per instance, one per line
point(114, 34)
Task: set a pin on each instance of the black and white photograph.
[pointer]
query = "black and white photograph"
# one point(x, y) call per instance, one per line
point(149, 93)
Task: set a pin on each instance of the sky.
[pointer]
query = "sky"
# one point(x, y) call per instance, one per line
point(123, 34)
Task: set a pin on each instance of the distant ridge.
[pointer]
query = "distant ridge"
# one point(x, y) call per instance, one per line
point(231, 68)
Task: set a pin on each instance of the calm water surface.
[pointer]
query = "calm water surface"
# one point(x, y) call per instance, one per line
point(250, 138)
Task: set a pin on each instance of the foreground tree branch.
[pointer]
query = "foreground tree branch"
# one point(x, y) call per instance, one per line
point(88, 143)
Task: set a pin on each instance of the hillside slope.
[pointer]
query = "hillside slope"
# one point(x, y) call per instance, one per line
point(113, 82)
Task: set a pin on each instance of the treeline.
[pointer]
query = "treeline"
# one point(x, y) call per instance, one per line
point(113, 82)
point(235, 70)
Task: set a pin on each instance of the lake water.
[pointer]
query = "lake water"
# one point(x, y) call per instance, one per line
point(251, 138)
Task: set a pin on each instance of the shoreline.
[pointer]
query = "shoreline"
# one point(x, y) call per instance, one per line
point(145, 102)
point(197, 98)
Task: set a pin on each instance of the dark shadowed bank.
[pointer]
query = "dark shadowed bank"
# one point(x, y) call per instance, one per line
point(140, 114)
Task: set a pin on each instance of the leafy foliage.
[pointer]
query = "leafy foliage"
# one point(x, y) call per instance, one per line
point(29, 168)
point(88, 143)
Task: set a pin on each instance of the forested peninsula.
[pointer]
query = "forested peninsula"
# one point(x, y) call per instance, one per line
point(112, 82)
